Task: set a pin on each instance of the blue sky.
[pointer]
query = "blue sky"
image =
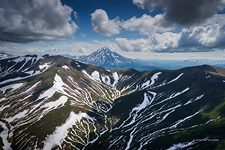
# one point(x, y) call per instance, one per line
point(146, 29)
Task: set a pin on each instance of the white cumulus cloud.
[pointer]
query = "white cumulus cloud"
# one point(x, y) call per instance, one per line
point(155, 42)
point(193, 39)
point(207, 37)
point(102, 24)
point(148, 25)
point(24, 21)
point(184, 12)
point(75, 14)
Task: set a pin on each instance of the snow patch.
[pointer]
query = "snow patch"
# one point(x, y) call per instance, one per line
point(19, 59)
point(146, 84)
point(106, 80)
point(207, 77)
point(153, 79)
point(30, 72)
point(53, 105)
point(191, 101)
point(12, 86)
point(17, 116)
point(130, 140)
point(181, 145)
point(61, 101)
point(141, 106)
point(57, 86)
point(4, 135)
point(2, 99)
point(65, 67)
point(19, 78)
point(182, 120)
point(173, 95)
point(95, 75)
point(46, 66)
point(85, 72)
point(77, 64)
point(175, 78)
point(61, 131)
point(116, 78)
point(35, 85)
point(3, 107)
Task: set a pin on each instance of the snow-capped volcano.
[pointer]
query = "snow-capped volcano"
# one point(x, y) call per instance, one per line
point(106, 58)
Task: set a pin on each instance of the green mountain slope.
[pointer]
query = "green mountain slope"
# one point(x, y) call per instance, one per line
point(53, 102)
point(186, 113)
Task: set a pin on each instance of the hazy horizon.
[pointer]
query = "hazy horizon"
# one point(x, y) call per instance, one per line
point(143, 29)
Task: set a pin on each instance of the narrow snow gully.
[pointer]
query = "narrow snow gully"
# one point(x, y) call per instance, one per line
point(146, 121)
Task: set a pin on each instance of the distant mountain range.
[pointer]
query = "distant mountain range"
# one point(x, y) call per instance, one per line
point(195, 62)
point(4, 55)
point(112, 60)
point(53, 102)
point(177, 64)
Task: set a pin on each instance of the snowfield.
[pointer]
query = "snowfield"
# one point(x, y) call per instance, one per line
point(12, 86)
point(57, 86)
point(61, 132)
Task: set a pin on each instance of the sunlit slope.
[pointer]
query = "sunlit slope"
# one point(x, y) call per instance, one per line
point(45, 95)
point(53, 102)
point(186, 111)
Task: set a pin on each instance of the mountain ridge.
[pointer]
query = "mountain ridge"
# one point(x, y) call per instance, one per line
point(63, 103)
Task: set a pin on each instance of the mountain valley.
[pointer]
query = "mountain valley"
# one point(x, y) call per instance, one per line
point(53, 102)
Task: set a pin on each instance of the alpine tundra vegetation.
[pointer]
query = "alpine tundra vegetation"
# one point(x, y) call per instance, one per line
point(112, 74)
point(62, 103)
